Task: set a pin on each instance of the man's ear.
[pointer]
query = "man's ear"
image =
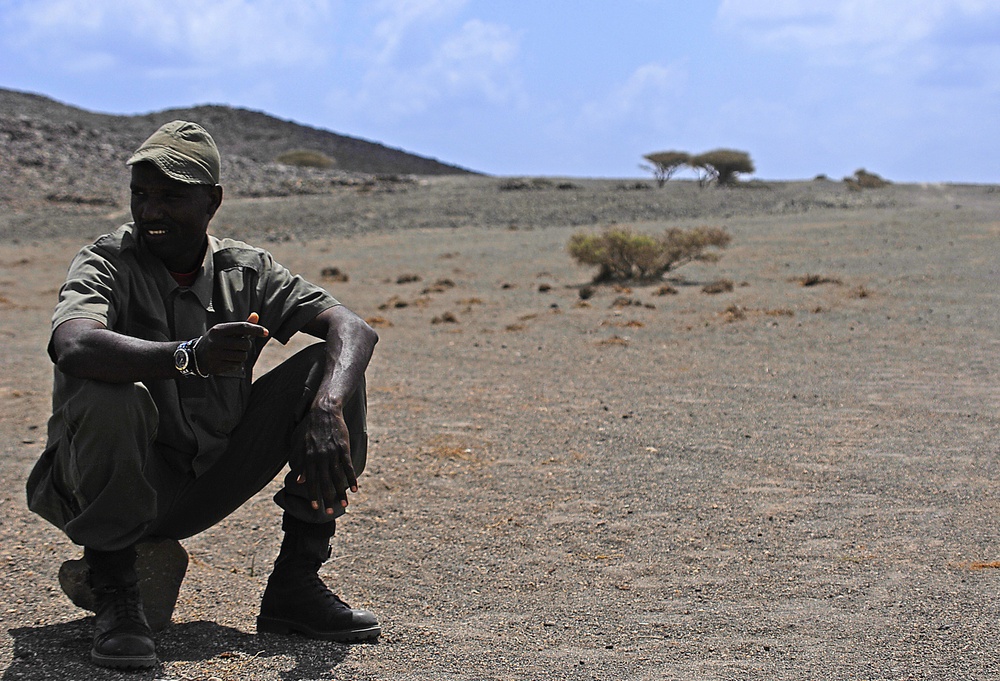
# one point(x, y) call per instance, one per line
point(215, 194)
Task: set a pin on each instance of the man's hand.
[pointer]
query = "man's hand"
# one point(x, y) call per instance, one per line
point(225, 347)
point(326, 467)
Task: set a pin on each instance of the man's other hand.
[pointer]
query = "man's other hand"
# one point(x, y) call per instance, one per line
point(225, 347)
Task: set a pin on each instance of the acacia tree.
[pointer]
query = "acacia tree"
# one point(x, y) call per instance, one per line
point(666, 163)
point(721, 165)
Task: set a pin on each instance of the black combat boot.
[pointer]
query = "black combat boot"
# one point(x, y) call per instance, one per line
point(122, 638)
point(297, 601)
point(161, 565)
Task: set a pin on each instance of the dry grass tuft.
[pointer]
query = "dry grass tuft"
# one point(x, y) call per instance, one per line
point(718, 286)
point(737, 312)
point(394, 302)
point(625, 301)
point(815, 280)
point(624, 324)
point(614, 340)
point(991, 565)
point(445, 318)
point(334, 274)
point(734, 313)
point(440, 286)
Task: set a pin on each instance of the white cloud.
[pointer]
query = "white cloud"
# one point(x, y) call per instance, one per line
point(476, 61)
point(933, 43)
point(888, 26)
point(400, 17)
point(233, 33)
point(649, 94)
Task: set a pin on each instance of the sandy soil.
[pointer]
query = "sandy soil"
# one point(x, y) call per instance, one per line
point(778, 482)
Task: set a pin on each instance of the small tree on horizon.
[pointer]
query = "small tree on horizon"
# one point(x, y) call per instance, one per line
point(666, 163)
point(721, 165)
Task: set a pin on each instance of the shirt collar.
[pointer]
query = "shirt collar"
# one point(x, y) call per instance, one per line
point(203, 285)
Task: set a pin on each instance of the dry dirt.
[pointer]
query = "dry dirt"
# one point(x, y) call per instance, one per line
point(776, 482)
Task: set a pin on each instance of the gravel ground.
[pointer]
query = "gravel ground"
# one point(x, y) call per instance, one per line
point(780, 481)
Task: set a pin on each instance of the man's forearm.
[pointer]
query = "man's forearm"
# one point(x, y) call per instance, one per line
point(94, 352)
point(350, 343)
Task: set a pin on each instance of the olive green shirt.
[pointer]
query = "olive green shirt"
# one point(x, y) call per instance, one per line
point(117, 282)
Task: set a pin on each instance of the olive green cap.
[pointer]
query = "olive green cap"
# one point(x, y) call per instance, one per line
point(183, 151)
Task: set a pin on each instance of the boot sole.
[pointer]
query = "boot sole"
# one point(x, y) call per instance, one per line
point(116, 662)
point(272, 625)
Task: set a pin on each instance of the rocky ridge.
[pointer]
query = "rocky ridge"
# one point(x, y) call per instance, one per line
point(53, 153)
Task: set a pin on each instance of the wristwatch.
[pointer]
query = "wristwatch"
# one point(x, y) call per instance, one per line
point(185, 360)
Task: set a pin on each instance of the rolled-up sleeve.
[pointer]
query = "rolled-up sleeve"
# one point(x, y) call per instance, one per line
point(90, 291)
point(288, 301)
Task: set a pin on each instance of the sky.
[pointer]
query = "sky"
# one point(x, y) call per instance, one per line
point(908, 89)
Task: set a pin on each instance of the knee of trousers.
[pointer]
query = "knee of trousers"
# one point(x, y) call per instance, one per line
point(111, 411)
point(91, 472)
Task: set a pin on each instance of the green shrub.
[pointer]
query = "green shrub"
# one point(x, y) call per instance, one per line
point(305, 158)
point(862, 179)
point(622, 254)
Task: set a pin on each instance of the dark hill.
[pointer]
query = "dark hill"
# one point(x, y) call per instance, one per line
point(55, 153)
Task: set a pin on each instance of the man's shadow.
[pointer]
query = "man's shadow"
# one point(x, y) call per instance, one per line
point(62, 651)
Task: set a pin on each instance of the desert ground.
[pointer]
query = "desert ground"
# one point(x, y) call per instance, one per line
point(779, 481)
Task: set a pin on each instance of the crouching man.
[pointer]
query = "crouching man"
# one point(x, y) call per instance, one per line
point(158, 432)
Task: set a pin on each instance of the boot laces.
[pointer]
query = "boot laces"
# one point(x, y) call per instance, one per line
point(126, 607)
point(316, 584)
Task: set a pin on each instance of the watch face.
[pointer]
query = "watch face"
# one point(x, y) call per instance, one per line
point(180, 359)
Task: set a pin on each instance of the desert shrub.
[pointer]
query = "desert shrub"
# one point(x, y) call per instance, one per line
point(666, 163)
point(305, 158)
point(622, 254)
point(862, 179)
point(520, 183)
point(631, 186)
point(721, 166)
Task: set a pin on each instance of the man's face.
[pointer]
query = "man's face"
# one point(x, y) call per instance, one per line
point(171, 218)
